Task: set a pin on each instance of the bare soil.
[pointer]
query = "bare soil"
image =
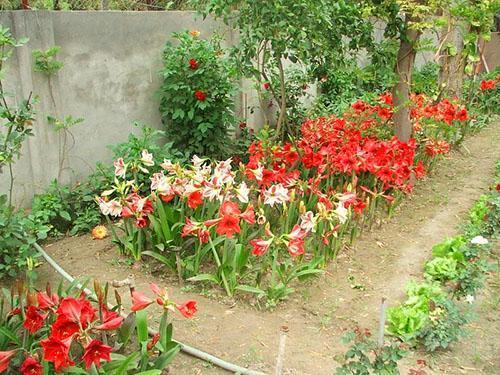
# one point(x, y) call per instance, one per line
point(379, 264)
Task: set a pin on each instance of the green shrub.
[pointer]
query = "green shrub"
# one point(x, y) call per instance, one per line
point(445, 326)
point(17, 234)
point(197, 96)
point(425, 80)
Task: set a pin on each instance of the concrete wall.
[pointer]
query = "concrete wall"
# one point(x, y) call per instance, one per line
point(110, 76)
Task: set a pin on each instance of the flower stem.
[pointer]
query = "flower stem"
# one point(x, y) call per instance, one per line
point(219, 265)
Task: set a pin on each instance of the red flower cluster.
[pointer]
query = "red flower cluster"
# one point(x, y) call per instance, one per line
point(436, 147)
point(200, 95)
point(488, 84)
point(334, 146)
point(75, 319)
point(444, 111)
point(139, 207)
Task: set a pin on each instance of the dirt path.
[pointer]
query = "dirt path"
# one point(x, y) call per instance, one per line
point(379, 264)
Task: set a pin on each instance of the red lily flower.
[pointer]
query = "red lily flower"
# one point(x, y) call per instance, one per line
point(46, 302)
point(141, 222)
point(95, 352)
point(63, 328)
point(188, 308)
point(248, 215)
point(31, 366)
point(195, 199)
point(57, 352)
point(296, 247)
point(229, 225)
point(260, 246)
point(140, 301)
point(111, 320)
point(5, 357)
point(34, 320)
point(77, 311)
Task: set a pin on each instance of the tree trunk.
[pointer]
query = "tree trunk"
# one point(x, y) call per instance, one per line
point(401, 91)
point(452, 62)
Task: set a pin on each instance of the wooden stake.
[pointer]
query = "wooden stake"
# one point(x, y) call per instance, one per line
point(281, 350)
point(381, 326)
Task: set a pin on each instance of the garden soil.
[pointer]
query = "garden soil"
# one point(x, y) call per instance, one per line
point(377, 265)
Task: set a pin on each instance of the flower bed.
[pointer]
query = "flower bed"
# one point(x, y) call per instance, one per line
point(285, 213)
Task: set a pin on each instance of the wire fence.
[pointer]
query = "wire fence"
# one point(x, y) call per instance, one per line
point(142, 5)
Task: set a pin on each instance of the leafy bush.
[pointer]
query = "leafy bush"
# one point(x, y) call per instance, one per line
point(425, 80)
point(63, 208)
point(17, 234)
point(366, 357)
point(197, 96)
point(408, 319)
point(445, 325)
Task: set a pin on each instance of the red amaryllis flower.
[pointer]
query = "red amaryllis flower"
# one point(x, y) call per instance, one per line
point(77, 310)
point(140, 301)
point(188, 308)
point(296, 247)
point(461, 115)
point(266, 86)
point(260, 246)
point(488, 84)
point(95, 352)
point(195, 199)
point(248, 215)
point(5, 357)
point(193, 64)
point(63, 328)
point(34, 320)
point(46, 302)
point(200, 95)
point(31, 366)
point(111, 320)
point(229, 225)
point(229, 208)
point(141, 222)
point(57, 352)
point(419, 169)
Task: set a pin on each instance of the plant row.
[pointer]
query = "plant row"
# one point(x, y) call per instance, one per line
point(433, 316)
point(258, 226)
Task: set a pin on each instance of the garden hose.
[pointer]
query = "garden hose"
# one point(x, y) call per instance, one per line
point(185, 348)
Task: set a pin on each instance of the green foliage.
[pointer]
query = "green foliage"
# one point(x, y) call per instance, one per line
point(445, 326)
point(64, 123)
point(449, 246)
point(406, 320)
point(17, 234)
point(441, 269)
point(425, 80)
point(197, 96)
point(365, 357)
point(45, 61)
point(311, 33)
point(344, 83)
point(64, 209)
